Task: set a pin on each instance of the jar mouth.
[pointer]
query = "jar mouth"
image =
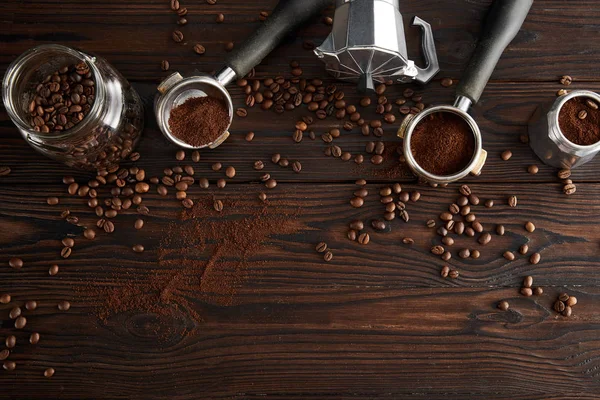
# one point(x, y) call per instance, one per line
point(559, 105)
point(29, 69)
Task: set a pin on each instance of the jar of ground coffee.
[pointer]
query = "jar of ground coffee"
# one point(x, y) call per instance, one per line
point(73, 107)
point(565, 133)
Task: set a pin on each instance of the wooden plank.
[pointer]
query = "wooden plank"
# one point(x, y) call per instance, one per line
point(502, 115)
point(434, 343)
point(567, 237)
point(555, 39)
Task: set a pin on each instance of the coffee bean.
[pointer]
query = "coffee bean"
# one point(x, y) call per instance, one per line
point(177, 36)
point(52, 201)
point(512, 201)
point(564, 173)
point(559, 306)
point(362, 192)
point(437, 250)
point(506, 155)
point(64, 305)
point(459, 228)
point(567, 312)
point(527, 292)
point(378, 225)
point(49, 372)
point(5, 298)
point(10, 341)
point(65, 252)
point(509, 255)
point(262, 196)
point(321, 247)
point(465, 190)
point(448, 241)
point(453, 274)
point(446, 82)
point(89, 234)
point(108, 227)
point(485, 238)
point(364, 238)
point(524, 249)
point(571, 301)
point(4, 354)
point(14, 312)
point(34, 338)
point(489, 203)
point(53, 270)
point(187, 203)
point(220, 18)
point(445, 271)
point(328, 256)
point(529, 227)
point(271, 183)
point(446, 216)
point(569, 189)
point(474, 200)
point(297, 167)
point(15, 263)
point(408, 240)
point(164, 65)
point(470, 232)
point(138, 248)
point(464, 253)
point(500, 230)
point(230, 172)
point(538, 291)
point(477, 227)
point(241, 112)
point(9, 365)
point(31, 305)
point(535, 258)
point(563, 297)
point(218, 205)
point(229, 46)
point(431, 223)
point(20, 322)
point(566, 80)
point(352, 234)
point(503, 305)
point(386, 199)
point(582, 114)
point(357, 202)
point(528, 281)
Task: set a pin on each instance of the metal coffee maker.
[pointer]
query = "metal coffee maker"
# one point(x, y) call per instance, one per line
point(367, 45)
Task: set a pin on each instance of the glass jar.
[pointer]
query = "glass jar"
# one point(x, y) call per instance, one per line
point(550, 144)
point(103, 137)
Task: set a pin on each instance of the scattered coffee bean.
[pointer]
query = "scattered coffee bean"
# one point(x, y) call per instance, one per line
point(218, 205)
point(52, 201)
point(563, 297)
point(503, 305)
point(453, 274)
point(53, 270)
point(321, 247)
point(571, 301)
point(15, 312)
point(437, 250)
point(4, 170)
point(446, 82)
point(512, 201)
point(5, 298)
point(408, 240)
point(221, 183)
point(524, 249)
point(328, 256)
point(485, 238)
point(506, 155)
point(49, 372)
point(357, 202)
point(177, 36)
point(10, 341)
point(509, 255)
point(500, 230)
point(4, 354)
point(9, 365)
point(20, 322)
point(364, 238)
point(34, 338)
point(535, 258)
point(569, 189)
point(528, 281)
point(559, 306)
point(431, 223)
point(527, 292)
point(31, 305)
point(475, 254)
point(464, 253)
point(538, 291)
point(64, 305)
point(533, 169)
point(529, 227)
point(445, 271)
point(164, 65)
point(489, 203)
point(378, 225)
point(15, 263)
point(65, 252)
point(89, 234)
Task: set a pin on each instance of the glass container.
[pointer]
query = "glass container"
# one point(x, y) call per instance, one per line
point(103, 137)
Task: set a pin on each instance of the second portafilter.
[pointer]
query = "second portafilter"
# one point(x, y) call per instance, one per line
point(502, 24)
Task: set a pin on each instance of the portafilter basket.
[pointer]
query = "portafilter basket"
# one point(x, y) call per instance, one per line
point(502, 24)
point(175, 89)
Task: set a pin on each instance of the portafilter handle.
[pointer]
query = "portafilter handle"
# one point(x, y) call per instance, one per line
point(288, 16)
point(502, 24)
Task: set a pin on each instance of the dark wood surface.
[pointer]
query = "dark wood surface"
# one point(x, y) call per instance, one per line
point(377, 321)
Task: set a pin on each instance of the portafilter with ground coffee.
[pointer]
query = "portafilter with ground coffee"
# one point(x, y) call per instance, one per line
point(503, 22)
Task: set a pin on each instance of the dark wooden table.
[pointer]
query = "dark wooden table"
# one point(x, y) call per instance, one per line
point(377, 321)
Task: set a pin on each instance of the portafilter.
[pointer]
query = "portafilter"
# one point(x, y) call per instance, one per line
point(503, 22)
point(175, 89)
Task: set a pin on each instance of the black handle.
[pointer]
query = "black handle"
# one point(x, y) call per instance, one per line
point(286, 18)
point(501, 26)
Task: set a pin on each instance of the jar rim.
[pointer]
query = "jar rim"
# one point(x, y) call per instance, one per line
point(11, 78)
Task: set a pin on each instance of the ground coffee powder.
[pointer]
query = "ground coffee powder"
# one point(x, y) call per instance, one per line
point(579, 121)
point(443, 144)
point(199, 120)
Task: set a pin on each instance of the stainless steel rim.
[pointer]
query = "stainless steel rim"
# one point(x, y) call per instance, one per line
point(441, 178)
point(558, 105)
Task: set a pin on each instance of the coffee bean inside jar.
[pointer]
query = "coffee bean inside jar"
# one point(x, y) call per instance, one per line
point(73, 107)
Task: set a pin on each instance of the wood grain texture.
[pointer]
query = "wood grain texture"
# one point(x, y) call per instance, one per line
point(502, 115)
point(554, 40)
point(376, 322)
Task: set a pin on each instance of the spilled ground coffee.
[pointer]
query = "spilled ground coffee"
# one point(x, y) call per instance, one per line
point(443, 144)
point(199, 120)
point(579, 121)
